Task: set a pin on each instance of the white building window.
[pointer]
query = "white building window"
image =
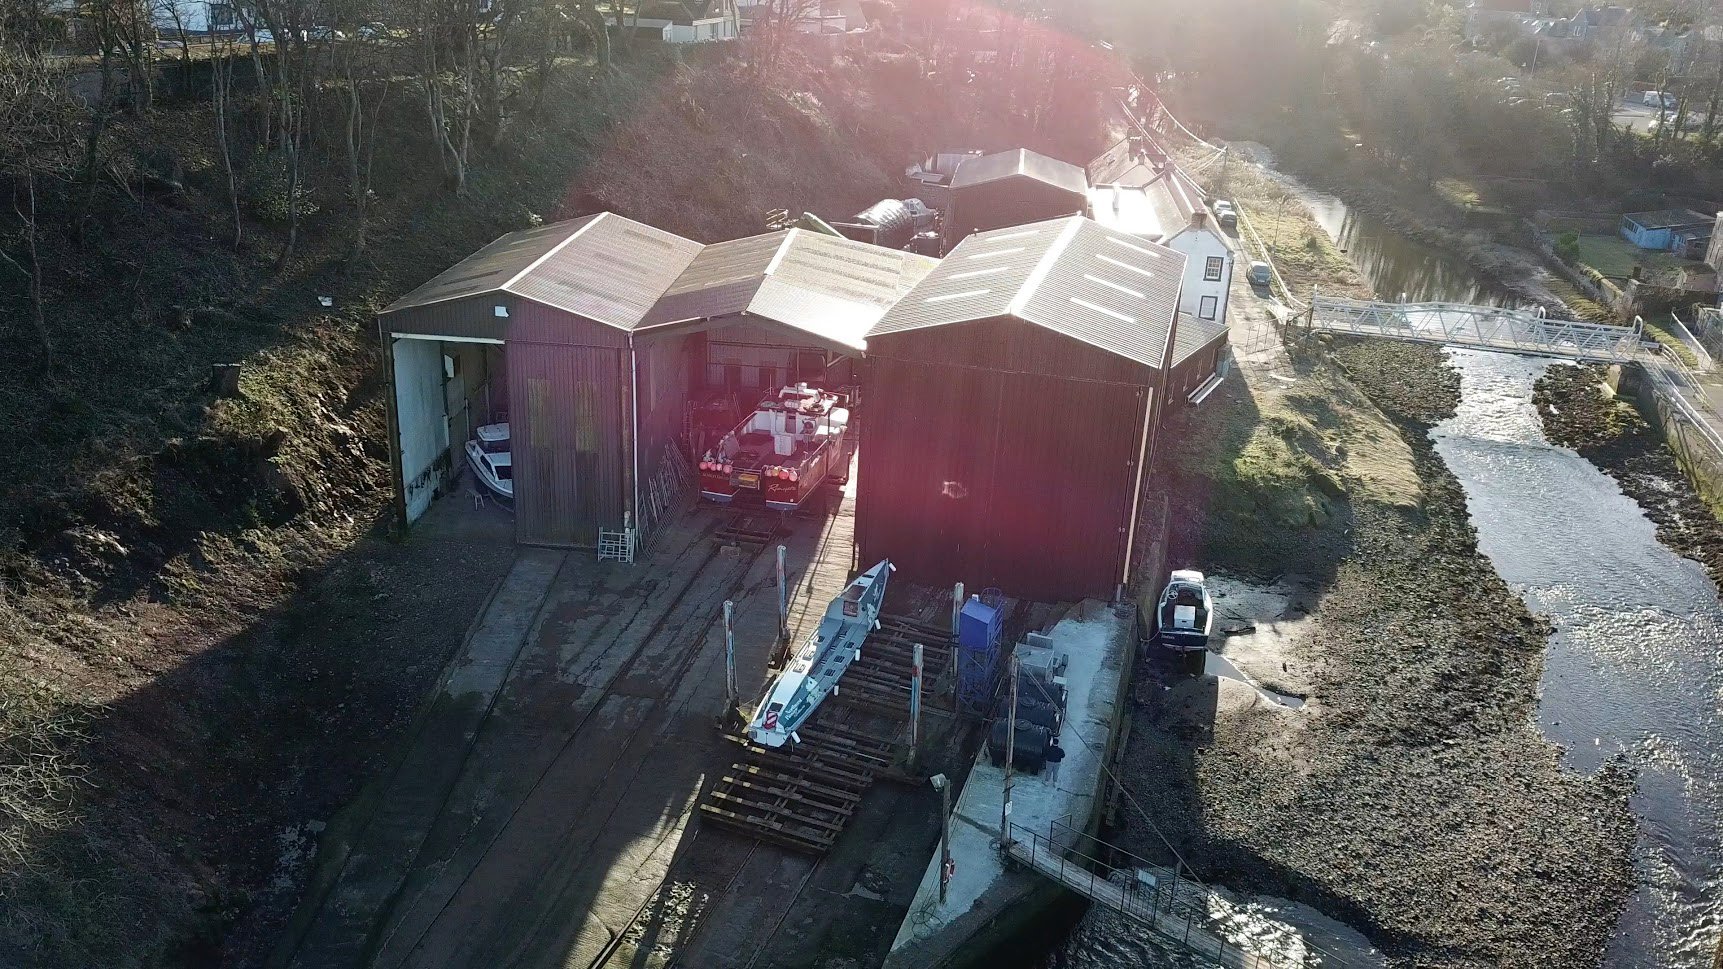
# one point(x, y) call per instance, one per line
point(1213, 269)
point(1208, 307)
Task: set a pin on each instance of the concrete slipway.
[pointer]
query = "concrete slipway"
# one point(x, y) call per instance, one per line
point(545, 791)
point(1100, 642)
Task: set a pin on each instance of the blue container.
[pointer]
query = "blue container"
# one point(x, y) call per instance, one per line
point(979, 625)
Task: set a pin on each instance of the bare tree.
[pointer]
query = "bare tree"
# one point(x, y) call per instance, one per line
point(36, 142)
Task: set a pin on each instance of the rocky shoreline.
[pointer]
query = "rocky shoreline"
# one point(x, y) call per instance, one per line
point(1581, 413)
point(1414, 798)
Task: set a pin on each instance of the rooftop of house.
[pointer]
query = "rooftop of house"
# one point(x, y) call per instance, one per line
point(1021, 162)
point(1669, 219)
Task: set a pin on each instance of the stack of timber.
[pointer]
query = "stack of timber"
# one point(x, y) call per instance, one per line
point(800, 797)
point(879, 682)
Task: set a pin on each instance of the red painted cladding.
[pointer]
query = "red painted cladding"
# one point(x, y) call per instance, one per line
point(1000, 454)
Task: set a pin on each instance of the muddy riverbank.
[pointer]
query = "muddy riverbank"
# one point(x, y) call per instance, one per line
point(1413, 798)
point(1581, 413)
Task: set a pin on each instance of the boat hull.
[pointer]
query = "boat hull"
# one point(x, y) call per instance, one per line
point(813, 673)
point(496, 489)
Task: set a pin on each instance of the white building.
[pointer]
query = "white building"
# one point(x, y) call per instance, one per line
point(690, 21)
point(1165, 206)
point(173, 17)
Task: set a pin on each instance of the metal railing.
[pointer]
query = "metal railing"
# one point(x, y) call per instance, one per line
point(1484, 327)
point(1173, 907)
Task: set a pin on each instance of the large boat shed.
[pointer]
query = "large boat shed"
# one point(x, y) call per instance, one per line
point(782, 306)
point(536, 329)
point(1013, 399)
point(592, 338)
point(1012, 188)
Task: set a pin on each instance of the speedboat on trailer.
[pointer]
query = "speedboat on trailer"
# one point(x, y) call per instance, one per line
point(789, 446)
point(814, 671)
point(492, 462)
point(1185, 615)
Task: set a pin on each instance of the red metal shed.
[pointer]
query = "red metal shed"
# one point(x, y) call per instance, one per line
point(1013, 397)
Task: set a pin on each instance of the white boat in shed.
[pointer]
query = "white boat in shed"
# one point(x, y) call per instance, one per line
point(492, 461)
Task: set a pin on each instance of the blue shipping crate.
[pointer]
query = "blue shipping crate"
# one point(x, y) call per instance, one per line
point(979, 626)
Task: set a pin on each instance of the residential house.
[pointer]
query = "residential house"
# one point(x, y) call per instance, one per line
point(1602, 23)
point(691, 21)
point(1662, 230)
point(1156, 201)
point(1714, 251)
point(1484, 17)
point(195, 17)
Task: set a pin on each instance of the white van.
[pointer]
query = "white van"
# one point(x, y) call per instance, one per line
point(1660, 99)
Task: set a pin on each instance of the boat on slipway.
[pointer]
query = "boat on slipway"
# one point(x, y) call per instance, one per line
point(815, 669)
point(784, 451)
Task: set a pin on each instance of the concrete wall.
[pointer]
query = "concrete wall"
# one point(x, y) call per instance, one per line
point(1701, 461)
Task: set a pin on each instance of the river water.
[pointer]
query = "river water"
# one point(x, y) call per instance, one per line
point(1634, 667)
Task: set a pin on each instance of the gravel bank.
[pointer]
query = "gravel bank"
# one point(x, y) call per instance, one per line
point(1579, 412)
point(1414, 798)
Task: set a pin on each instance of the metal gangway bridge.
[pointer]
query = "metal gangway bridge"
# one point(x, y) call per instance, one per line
point(1478, 327)
point(1175, 907)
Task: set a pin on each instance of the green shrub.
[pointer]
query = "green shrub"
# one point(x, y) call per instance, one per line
point(1567, 247)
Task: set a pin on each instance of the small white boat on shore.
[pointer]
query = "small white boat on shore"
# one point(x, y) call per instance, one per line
point(814, 671)
point(1185, 615)
point(489, 455)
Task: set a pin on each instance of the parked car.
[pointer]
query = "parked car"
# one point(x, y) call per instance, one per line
point(1259, 274)
point(1660, 99)
point(1225, 214)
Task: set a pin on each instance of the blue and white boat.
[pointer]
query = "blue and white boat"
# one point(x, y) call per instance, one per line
point(814, 671)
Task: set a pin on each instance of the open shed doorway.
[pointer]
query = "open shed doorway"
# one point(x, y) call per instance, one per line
point(445, 391)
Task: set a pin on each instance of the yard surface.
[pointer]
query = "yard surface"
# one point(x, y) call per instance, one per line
point(1615, 257)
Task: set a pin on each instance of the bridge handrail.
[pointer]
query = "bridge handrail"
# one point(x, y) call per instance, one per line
point(1671, 361)
point(1490, 326)
point(1080, 871)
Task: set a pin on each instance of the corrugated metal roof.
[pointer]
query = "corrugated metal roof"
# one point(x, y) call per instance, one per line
point(1021, 161)
point(1194, 334)
point(602, 267)
point(1072, 275)
point(489, 269)
point(833, 288)
point(1669, 218)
